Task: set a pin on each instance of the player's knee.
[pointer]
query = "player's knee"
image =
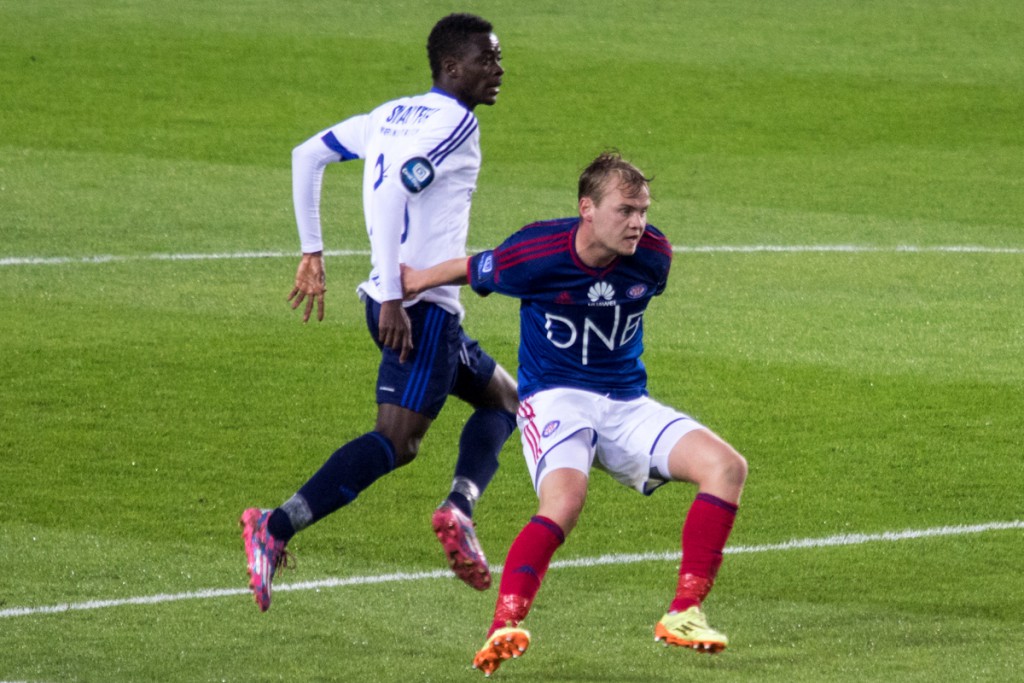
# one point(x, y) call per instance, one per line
point(563, 493)
point(732, 467)
point(405, 442)
point(502, 391)
point(404, 428)
point(510, 400)
point(406, 451)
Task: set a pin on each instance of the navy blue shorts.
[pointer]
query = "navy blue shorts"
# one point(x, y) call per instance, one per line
point(444, 361)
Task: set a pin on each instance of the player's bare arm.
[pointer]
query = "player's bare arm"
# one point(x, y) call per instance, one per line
point(451, 272)
point(310, 285)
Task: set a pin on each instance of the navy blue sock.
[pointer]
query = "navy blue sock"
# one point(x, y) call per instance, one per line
point(485, 433)
point(349, 470)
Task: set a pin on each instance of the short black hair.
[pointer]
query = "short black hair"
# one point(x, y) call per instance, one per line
point(450, 35)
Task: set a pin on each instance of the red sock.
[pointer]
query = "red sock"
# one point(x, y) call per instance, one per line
point(525, 565)
point(705, 531)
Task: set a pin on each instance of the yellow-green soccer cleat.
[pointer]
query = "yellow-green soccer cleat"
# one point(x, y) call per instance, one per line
point(690, 629)
point(505, 643)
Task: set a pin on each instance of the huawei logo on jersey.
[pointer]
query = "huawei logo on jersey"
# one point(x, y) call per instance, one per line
point(601, 294)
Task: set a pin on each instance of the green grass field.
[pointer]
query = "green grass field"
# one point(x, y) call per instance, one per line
point(843, 181)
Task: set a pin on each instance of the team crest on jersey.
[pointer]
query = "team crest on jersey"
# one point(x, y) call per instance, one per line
point(601, 294)
point(636, 291)
point(550, 428)
point(417, 174)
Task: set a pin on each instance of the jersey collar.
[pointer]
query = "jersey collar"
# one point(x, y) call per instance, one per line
point(593, 272)
point(450, 96)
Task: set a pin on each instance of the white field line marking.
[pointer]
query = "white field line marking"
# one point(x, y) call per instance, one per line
point(738, 249)
point(109, 258)
point(616, 559)
point(851, 249)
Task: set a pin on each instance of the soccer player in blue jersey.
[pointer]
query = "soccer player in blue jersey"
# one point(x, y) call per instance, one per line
point(422, 158)
point(584, 284)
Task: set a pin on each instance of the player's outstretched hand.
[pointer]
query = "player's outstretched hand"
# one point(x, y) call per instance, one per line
point(310, 285)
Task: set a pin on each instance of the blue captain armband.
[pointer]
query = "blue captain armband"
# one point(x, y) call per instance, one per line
point(417, 174)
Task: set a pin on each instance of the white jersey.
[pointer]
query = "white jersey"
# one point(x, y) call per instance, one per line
point(422, 157)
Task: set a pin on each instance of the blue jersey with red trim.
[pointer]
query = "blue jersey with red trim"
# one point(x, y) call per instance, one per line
point(580, 327)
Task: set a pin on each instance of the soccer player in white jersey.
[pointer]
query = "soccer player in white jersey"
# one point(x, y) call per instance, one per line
point(584, 284)
point(422, 157)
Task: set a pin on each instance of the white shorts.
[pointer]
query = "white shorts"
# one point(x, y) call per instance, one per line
point(631, 439)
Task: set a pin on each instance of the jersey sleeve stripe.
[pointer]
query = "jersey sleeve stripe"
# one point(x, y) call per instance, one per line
point(531, 249)
point(335, 145)
point(656, 243)
point(466, 127)
point(456, 143)
point(532, 243)
point(523, 257)
point(553, 221)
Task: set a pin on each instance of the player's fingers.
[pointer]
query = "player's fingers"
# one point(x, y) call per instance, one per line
point(392, 338)
point(406, 348)
point(309, 309)
point(320, 309)
point(295, 290)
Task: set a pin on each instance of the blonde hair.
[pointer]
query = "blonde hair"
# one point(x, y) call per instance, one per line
point(595, 177)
